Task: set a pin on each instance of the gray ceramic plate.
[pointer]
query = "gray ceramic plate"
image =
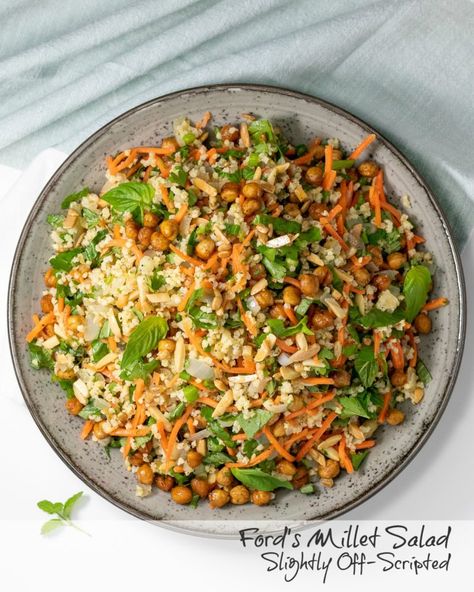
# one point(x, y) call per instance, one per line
point(301, 117)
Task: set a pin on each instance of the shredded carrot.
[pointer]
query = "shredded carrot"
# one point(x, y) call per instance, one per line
point(213, 263)
point(181, 213)
point(334, 212)
point(186, 297)
point(110, 165)
point(316, 436)
point(154, 150)
point(328, 180)
point(377, 207)
point(204, 121)
point(240, 437)
point(434, 304)
point(276, 445)
point(185, 257)
point(357, 264)
point(248, 322)
point(330, 230)
point(293, 281)
point(316, 403)
point(343, 457)
point(414, 358)
point(60, 304)
point(377, 340)
point(362, 146)
point(161, 430)
point(314, 380)
point(255, 461)
point(396, 353)
point(379, 186)
point(136, 251)
point(191, 426)
point(125, 433)
point(366, 444)
point(207, 401)
point(291, 315)
point(308, 157)
point(147, 173)
point(166, 200)
point(174, 432)
point(391, 210)
point(112, 343)
point(297, 437)
point(211, 155)
point(116, 231)
point(87, 429)
point(386, 404)
point(289, 349)
point(46, 320)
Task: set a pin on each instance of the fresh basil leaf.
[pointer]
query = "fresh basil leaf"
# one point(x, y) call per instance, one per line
point(380, 318)
point(64, 261)
point(90, 252)
point(203, 320)
point(142, 440)
point(99, 350)
point(416, 287)
point(366, 365)
point(259, 127)
point(40, 357)
point(258, 479)
point(277, 270)
point(423, 373)
point(92, 218)
point(177, 411)
point(350, 350)
point(358, 458)
point(192, 197)
point(192, 242)
point(67, 201)
point(249, 447)
point(179, 477)
point(217, 459)
point(313, 235)
point(278, 327)
point(66, 385)
point(178, 176)
point(280, 225)
point(254, 423)
point(214, 444)
point(139, 369)
point(326, 354)
point(131, 197)
point(143, 339)
point(353, 406)
point(217, 430)
point(69, 504)
point(232, 229)
point(55, 220)
point(90, 411)
point(156, 281)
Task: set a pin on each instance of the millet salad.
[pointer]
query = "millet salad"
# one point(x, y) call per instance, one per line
point(235, 313)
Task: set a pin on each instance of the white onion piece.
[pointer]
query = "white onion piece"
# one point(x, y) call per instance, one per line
point(199, 435)
point(253, 305)
point(275, 408)
point(200, 369)
point(279, 241)
point(92, 329)
point(284, 359)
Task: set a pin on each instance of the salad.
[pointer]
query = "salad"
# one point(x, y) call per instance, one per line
point(237, 314)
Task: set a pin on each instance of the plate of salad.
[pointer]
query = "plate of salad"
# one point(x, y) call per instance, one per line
point(252, 309)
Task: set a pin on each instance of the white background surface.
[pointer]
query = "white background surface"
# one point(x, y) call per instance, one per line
point(438, 484)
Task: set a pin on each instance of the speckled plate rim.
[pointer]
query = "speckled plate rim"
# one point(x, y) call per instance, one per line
point(179, 526)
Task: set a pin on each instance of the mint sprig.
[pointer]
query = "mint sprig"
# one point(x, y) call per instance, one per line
point(62, 512)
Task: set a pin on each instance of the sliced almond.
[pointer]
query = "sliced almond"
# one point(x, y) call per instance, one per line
point(313, 258)
point(223, 404)
point(156, 414)
point(205, 187)
point(71, 218)
point(259, 286)
point(105, 361)
point(244, 135)
point(179, 355)
point(328, 442)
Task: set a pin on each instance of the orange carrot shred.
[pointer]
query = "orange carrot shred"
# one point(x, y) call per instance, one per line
point(362, 146)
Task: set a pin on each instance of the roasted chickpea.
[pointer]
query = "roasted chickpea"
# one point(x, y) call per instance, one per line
point(292, 210)
point(74, 322)
point(46, 303)
point(395, 417)
point(296, 404)
point(239, 495)
point(181, 495)
point(398, 378)
point(368, 169)
point(136, 459)
point(166, 347)
point(205, 248)
point(194, 458)
point(324, 275)
point(423, 323)
point(300, 478)
point(144, 237)
point(322, 319)
point(170, 142)
point(291, 295)
point(316, 210)
point(341, 378)
point(318, 151)
point(336, 154)
point(382, 282)
point(250, 206)
point(261, 498)
point(131, 229)
point(230, 192)
point(74, 406)
point(218, 498)
point(230, 132)
point(145, 474)
point(309, 284)
point(257, 271)
point(396, 260)
point(150, 220)
point(50, 278)
point(159, 242)
point(285, 467)
point(278, 428)
point(66, 374)
point(278, 311)
point(169, 229)
point(362, 276)
point(200, 487)
point(164, 482)
point(98, 430)
point(264, 298)
point(376, 254)
point(330, 470)
point(224, 477)
point(79, 272)
point(252, 190)
point(314, 175)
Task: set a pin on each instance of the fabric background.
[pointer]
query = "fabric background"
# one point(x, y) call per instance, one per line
point(406, 67)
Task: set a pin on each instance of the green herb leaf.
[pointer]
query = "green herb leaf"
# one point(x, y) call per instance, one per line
point(54, 220)
point(337, 165)
point(303, 306)
point(40, 357)
point(90, 411)
point(92, 218)
point(99, 350)
point(353, 406)
point(51, 525)
point(366, 365)
point(177, 411)
point(191, 393)
point(280, 225)
point(67, 201)
point(156, 281)
point(380, 318)
point(278, 327)
point(253, 424)
point(416, 286)
point(258, 479)
point(63, 261)
point(217, 459)
point(69, 503)
point(139, 369)
point(131, 197)
point(217, 430)
point(232, 229)
point(143, 339)
point(423, 373)
point(358, 458)
point(178, 176)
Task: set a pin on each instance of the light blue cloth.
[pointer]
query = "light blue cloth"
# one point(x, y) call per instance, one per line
point(407, 67)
